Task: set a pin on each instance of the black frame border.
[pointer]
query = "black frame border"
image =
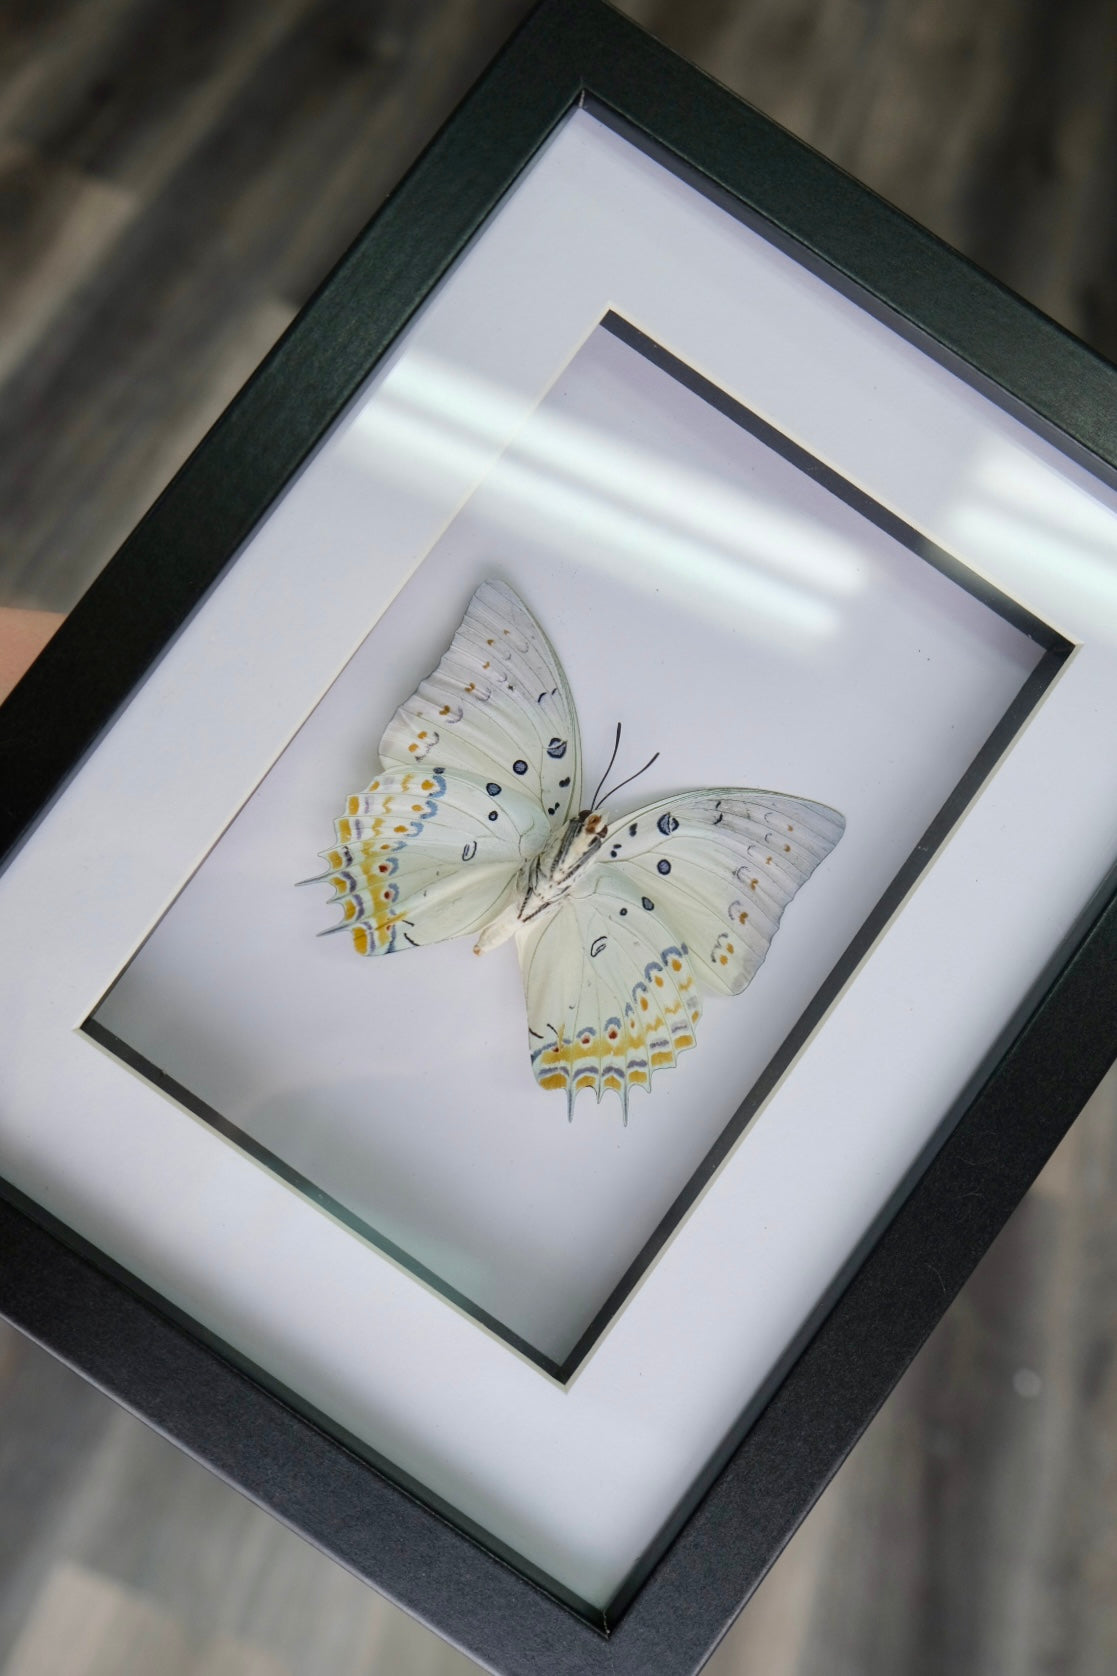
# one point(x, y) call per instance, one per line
point(1048, 1062)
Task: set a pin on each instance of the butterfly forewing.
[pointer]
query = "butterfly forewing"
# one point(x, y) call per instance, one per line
point(720, 867)
point(497, 707)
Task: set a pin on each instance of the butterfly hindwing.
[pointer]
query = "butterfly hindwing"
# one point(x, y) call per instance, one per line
point(424, 856)
point(720, 867)
point(611, 996)
point(497, 707)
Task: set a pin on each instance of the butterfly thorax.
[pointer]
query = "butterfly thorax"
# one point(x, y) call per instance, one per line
point(545, 880)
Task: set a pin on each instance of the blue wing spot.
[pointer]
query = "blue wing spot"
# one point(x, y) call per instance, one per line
point(667, 824)
point(664, 866)
point(519, 767)
point(493, 789)
point(492, 814)
point(623, 912)
point(557, 747)
point(648, 903)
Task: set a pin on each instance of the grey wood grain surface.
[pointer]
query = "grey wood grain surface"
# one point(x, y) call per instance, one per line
point(174, 180)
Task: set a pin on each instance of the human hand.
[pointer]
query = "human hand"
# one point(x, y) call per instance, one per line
point(23, 634)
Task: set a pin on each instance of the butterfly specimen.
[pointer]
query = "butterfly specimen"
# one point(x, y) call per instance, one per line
point(475, 826)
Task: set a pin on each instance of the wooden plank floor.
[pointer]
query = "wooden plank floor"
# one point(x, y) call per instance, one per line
point(174, 180)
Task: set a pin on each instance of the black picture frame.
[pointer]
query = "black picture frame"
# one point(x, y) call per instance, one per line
point(788, 1444)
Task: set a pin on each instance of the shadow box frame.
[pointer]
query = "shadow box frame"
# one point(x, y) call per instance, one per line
point(67, 1292)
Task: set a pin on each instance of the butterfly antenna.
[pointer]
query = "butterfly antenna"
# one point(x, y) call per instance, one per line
point(631, 777)
point(609, 770)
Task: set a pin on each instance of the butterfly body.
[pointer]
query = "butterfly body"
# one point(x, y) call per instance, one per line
point(619, 923)
point(548, 879)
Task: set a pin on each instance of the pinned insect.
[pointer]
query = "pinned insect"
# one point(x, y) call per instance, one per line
point(474, 826)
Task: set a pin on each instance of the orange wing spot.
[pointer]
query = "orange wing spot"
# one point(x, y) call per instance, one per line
point(658, 981)
point(725, 960)
point(638, 1076)
point(471, 687)
point(729, 948)
point(791, 829)
point(684, 1041)
point(612, 1035)
point(350, 909)
point(428, 785)
point(676, 965)
point(344, 831)
point(383, 868)
point(644, 1003)
point(553, 1079)
point(613, 1081)
point(418, 808)
point(413, 747)
point(694, 1016)
point(787, 849)
point(767, 861)
point(423, 735)
point(445, 711)
point(334, 858)
point(505, 631)
point(400, 829)
point(582, 1082)
point(659, 1059)
point(753, 883)
point(360, 939)
point(490, 643)
point(742, 918)
point(353, 806)
point(485, 665)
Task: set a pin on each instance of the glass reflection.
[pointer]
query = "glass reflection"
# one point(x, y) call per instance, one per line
point(695, 537)
point(1027, 519)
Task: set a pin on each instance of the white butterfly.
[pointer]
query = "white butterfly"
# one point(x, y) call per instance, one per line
point(475, 825)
